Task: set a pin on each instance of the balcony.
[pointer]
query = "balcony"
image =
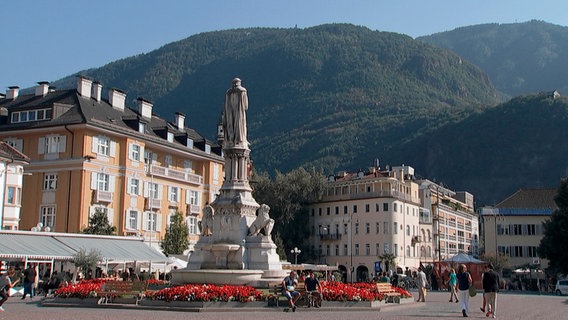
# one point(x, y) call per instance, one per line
point(174, 174)
point(193, 209)
point(330, 236)
point(152, 204)
point(103, 196)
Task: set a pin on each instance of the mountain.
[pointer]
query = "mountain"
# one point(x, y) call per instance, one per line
point(332, 96)
point(520, 143)
point(520, 58)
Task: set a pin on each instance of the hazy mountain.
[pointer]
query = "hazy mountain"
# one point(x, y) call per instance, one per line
point(520, 58)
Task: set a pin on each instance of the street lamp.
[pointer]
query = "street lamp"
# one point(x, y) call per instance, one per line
point(296, 252)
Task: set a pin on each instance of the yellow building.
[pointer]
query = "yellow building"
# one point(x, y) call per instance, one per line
point(89, 153)
point(514, 226)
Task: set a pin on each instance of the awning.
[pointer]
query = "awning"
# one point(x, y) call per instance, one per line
point(63, 246)
point(113, 249)
point(33, 246)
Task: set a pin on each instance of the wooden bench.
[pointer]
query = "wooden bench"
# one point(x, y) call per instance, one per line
point(276, 290)
point(113, 289)
point(386, 289)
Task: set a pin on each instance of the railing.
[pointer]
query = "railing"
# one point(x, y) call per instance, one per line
point(330, 236)
point(176, 174)
point(103, 196)
point(376, 194)
point(193, 209)
point(153, 203)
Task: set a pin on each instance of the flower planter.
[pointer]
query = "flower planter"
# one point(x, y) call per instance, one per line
point(202, 304)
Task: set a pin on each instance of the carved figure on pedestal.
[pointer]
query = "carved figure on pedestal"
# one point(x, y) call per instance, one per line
point(207, 220)
point(263, 222)
point(234, 116)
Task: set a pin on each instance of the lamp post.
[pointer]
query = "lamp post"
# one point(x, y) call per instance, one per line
point(296, 252)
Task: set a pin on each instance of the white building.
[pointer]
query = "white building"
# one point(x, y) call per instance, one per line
point(12, 164)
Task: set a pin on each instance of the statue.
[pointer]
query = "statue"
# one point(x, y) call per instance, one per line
point(234, 116)
point(262, 222)
point(207, 220)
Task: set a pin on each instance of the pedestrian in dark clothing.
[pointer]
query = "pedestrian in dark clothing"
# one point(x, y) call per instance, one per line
point(491, 282)
point(30, 275)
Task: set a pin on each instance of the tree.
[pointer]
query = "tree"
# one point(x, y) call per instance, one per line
point(175, 240)
point(556, 234)
point(498, 261)
point(288, 196)
point(389, 259)
point(86, 261)
point(99, 224)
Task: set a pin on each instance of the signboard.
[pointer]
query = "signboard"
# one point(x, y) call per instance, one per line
point(378, 267)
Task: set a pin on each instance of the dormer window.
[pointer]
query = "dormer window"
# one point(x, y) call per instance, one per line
point(141, 127)
point(189, 143)
point(207, 148)
point(31, 115)
point(170, 137)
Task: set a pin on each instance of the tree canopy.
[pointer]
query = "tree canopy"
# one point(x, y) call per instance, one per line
point(556, 234)
point(175, 240)
point(99, 224)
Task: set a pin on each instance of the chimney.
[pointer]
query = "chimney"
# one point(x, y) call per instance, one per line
point(180, 121)
point(116, 98)
point(97, 90)
point(145, 108)
point(42, 88)
point(12, 92)
point(84, 86)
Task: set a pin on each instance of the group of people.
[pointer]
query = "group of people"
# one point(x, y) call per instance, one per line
point(7, 282)
point(460, 283)
point(313, 289)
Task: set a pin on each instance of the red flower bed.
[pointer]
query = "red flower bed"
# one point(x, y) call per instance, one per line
point(205, 292)
point(331, 291)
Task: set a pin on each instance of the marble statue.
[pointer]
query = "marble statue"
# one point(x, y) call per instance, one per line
point(207, 220)
point(234, 116)
point(263, 222)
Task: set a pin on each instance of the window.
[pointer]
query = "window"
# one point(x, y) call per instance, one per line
point(367, 207)
point(394, 207)
point(151, 221)
point(367, 228)
point(103, 146)
point(395, 228)
point(134, 186)
point(173, 194)
point(336, 210)
point(47, 216)
point(192, 225)
point(30, 115)
point(336, 249)
point(18, 144)
point(170, 136)
point(385, 207)
point(328, 210)
point(356, 227)
point(386, 227)
point(356, 249)
point(344, 209)
point(50, 181)
point(103, 182)
point(135, 152)
point(386, 248)
point(377, 249)
point(11, 195)
point(319, 212)
point(194, 198)
point(345, 228)
point(355, 209)
point(132, 220)
point(345, 251)
point(367, 249)
point(407, 230)
point(376, 207)
point(327, 250)
point(52, 144)
point(377, 228)
point(168, 160)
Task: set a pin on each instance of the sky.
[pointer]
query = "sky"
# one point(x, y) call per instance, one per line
point(46, 40)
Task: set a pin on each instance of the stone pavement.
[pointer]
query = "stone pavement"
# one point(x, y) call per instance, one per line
point(510, 306)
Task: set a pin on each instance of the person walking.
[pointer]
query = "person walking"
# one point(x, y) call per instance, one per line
point(491, 282)
point(422, 283)
point(5, 285)
point(452, 283)
point(30, 275)
point(464, 281)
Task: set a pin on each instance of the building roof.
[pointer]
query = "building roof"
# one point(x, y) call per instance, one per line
point(72, 108)
point(12, 154)
point(537, 198)
point(63, 246)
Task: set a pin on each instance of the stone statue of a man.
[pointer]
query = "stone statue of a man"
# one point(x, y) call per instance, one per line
point(234, 116)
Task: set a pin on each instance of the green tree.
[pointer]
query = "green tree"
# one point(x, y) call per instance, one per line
point(99, 224)
point(556, 234)
point(175, 240)
point(389, 260)
point(498, 262)
point(86, 261)
point(288, 196)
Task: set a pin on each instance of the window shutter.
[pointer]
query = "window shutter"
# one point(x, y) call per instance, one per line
point(146, 189)
point(112, 149)
point(160, 189)
point(138, 220)
point(41, 146)
point(130, 147)
point(93, 181)
point(129, 186)
point(142, 154)
point(110, 215)
point(62, 143)
point(127, 219)
point(159, 222)
point(95, 145)
point(111, 182)
point(187, 194)
point(145, 221)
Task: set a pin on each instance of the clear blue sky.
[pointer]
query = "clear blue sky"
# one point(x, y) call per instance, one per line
point(46, 40)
